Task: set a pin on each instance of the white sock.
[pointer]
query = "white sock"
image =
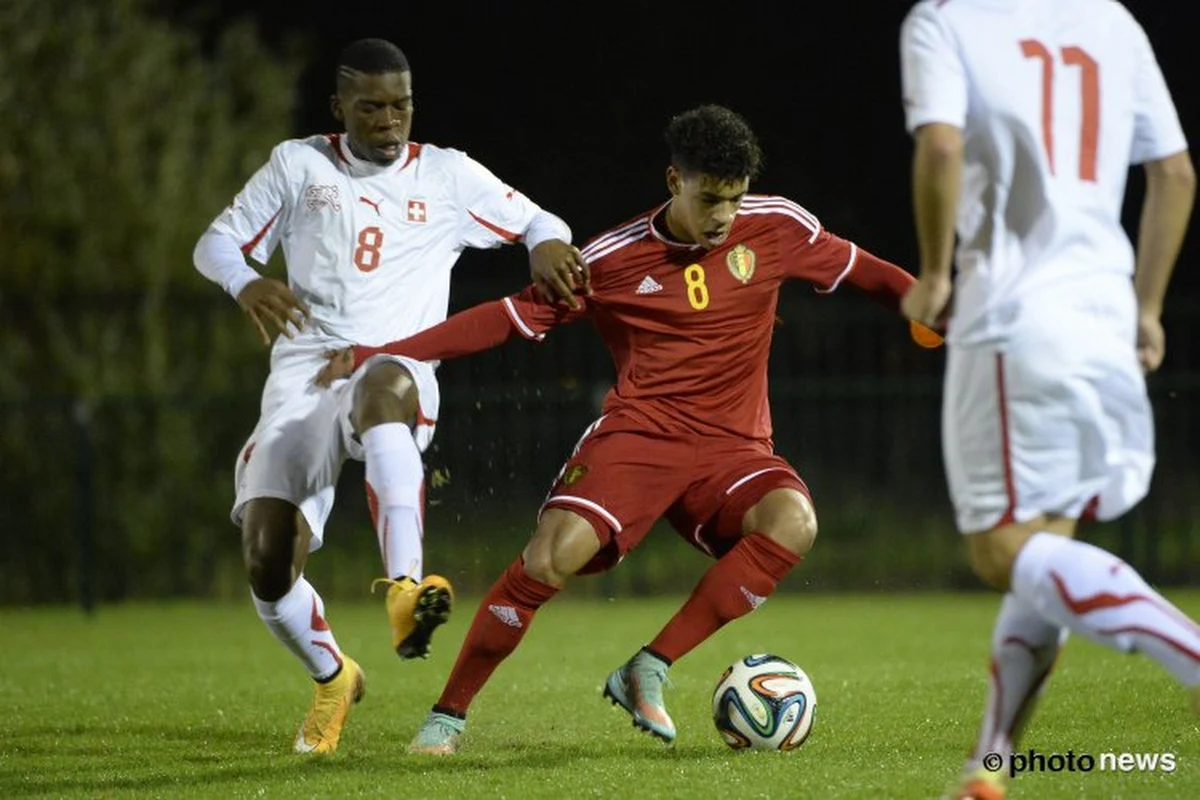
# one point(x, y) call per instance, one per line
point(298, 620)
point(1024, 647)
point(1099, 596)
point(394, 478)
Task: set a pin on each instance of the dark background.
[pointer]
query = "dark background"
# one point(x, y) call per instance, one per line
point(128, 383)
point(568, 101)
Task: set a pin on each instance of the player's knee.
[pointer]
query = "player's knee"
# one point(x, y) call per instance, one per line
point(539, 565)
point(991, 569)
point(386, 393)
point(993, 553)
point(562, 545)
point(787, 517)
point(550, 564)
point(268, 569)
point(800, 533)
point(268, 544)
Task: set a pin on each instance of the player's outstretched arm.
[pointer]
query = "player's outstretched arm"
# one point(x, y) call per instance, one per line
point(479, 328)
point(1170, 192)
point(881, 280)
point(887, 284)
point(828, 261)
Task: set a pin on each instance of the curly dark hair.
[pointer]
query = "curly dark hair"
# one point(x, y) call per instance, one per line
point(713, 140)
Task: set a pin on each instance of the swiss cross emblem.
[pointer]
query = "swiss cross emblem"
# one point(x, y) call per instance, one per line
point(416, 210)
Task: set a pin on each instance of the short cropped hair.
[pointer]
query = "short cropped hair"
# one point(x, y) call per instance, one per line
point(713, 140)
point(371, 57)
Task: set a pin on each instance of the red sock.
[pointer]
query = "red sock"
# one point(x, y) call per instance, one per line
point(501, 621)
point(734, 586)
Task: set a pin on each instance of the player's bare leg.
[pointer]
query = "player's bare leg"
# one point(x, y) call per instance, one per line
point(386, 406)
point(563, 544)
point(1054, 584)
point(776, 533)
point(275, 541)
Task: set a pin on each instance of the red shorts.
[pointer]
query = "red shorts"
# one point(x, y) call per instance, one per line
point(622, 481)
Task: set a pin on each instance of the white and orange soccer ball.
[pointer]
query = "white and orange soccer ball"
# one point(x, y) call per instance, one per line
point(764, 702)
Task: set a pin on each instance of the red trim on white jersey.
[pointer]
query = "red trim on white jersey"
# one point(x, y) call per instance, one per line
point(496, 229)
point(411, 154)
point(414, 150)
point(250, 245)
point(335, 141)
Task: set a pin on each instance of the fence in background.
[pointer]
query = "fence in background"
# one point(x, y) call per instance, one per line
point(128, 497)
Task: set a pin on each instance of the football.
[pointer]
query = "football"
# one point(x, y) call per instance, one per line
point(764, 702)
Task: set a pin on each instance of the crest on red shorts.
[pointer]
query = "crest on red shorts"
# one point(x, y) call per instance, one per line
point(740, 261)
point(574, 474)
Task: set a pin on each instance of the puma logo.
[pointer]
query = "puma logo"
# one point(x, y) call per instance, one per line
point(372, 204)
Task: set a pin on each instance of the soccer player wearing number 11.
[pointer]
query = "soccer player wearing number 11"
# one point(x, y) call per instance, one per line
point(1026, 116)
point(684, 295)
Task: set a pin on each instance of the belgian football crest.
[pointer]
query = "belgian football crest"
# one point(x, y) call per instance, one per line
point(740, 261)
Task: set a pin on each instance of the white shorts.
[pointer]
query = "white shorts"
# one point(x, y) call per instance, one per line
point(1053, 421)
point(304, 433)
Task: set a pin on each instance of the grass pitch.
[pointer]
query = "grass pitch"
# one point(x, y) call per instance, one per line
point(190, 700)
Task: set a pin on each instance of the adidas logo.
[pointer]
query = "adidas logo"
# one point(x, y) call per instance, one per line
point(753, 599)
point(508, 615)
point(648, 286)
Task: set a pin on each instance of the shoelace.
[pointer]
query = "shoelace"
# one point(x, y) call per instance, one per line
point(444, 729)
point(386, 582)
point(654, 670)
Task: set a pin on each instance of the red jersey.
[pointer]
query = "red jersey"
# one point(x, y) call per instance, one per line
point(690, 329)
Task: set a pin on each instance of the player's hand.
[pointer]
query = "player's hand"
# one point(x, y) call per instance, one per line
point(1151, 343)
point(926, 301)
point(558, 269)
point(339, 364)
point(270, 302)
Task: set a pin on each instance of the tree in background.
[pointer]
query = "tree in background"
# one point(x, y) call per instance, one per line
point(121, 137)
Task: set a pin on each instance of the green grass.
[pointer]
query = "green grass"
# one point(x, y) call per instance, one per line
point(189, 700)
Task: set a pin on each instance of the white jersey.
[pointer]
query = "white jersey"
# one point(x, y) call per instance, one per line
point(369, 248)
point(1056, 98)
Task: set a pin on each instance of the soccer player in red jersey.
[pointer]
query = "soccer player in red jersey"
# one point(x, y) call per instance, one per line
point(684, 296)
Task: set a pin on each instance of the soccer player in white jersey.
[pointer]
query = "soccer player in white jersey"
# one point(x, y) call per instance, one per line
point(1026, 116)
point(371, 225)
